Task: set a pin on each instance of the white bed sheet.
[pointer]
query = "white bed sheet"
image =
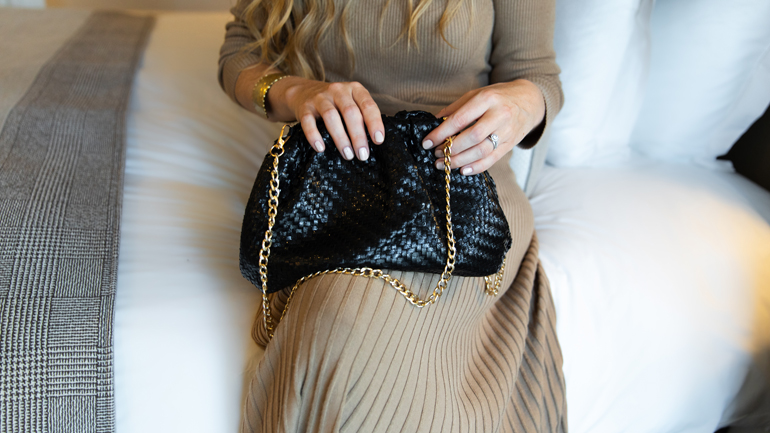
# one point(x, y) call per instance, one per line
point(661, 279)
point(660, 273)
point(183, 312)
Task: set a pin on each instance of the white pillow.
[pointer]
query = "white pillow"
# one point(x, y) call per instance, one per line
point(709, 78)
point(602, 48)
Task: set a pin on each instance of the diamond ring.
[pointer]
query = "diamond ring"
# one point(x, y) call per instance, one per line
point(494, 139)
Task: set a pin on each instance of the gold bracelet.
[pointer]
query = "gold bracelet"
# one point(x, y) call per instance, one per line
point(259, 93)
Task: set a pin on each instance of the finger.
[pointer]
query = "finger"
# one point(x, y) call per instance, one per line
point(490, 122)
point(481, 165)
point(354, 121)
point(469, 157)
point(307, 120)
point(372, 115)
point(459, 118)
point(334, 125)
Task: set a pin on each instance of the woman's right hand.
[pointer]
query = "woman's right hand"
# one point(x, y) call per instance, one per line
point(295, 98)
point(335, 103)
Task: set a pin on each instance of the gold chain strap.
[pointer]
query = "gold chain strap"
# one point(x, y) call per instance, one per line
point(492, 282)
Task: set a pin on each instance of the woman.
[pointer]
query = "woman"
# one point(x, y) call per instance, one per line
point(351, 353)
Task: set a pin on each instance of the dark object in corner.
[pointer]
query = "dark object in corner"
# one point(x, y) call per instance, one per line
point(751, 153)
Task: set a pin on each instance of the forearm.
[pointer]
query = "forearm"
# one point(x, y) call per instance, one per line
point(525, 51)
point(277, 98)
point(241, 69)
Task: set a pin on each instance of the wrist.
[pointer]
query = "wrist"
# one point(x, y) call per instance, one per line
point(261, 89)
point(536, 106)
point(281, 97)
point(534, 100)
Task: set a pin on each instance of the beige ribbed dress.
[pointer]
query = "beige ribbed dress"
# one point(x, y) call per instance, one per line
point(351, 354)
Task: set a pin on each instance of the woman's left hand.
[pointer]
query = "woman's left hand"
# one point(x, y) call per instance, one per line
point(509, 110)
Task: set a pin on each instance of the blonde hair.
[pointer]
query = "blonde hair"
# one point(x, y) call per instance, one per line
point(288, 32)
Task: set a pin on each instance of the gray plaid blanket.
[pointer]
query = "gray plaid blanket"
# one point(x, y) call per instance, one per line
point(65, 79)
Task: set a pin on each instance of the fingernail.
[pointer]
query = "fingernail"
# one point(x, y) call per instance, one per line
point(439, 153)
point(363, 154)
point(466, 171)
point(319, 146)
point(378, 138)
point(427, 144)
point(348, 152)
point(440, 165)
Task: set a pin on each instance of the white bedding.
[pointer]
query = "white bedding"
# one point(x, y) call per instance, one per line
point(661, 279)
point(660, 273)
point(183, 312)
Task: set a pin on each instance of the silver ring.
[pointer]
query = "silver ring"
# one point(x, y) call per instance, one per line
point(494, 139)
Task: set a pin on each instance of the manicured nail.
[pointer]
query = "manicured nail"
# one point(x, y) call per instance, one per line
point(319, 146)
point(466, 171)
point(440, 165)
point(378, 138)
point(348, 152)
point(363, 154)
point(439, 153)
point(427, 144)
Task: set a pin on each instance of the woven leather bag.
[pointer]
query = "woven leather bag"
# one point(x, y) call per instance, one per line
point(388, 212)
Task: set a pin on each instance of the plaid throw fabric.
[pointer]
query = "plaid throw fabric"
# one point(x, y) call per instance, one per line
point(61, 178)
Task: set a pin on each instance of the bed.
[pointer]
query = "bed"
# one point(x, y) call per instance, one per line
point(659, 266)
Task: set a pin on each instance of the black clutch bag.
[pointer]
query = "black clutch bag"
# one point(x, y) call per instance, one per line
point(311, 213)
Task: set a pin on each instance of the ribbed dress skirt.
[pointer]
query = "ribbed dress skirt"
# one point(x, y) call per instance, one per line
point(352, 355)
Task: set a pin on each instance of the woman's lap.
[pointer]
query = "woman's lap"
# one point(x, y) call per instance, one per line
point(353, 355)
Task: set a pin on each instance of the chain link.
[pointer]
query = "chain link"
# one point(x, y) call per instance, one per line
point(264, 253)
point(492, 282)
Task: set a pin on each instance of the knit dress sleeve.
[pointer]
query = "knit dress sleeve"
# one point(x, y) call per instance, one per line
point(522, 47)
point(232, 58)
